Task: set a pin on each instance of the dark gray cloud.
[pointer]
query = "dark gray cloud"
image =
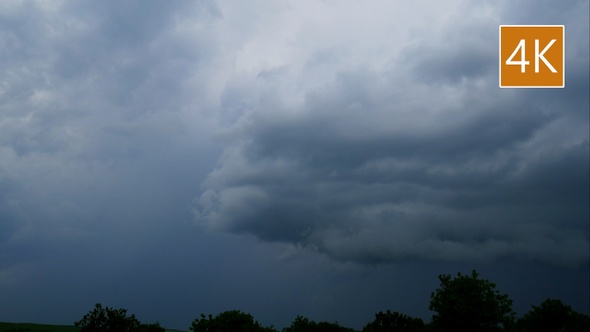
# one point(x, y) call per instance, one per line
point(335, 158)
point(424, 159)
point(98, 135)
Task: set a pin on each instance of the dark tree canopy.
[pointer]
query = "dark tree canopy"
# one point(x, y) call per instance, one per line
point(553, 316)
point(302, 324)
point(464, 303)
point(113, 320)
point(394, 322)
point(467, 303)
point(228, 321)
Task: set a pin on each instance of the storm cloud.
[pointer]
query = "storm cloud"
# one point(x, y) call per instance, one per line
point(418, 156)
point(321, 158)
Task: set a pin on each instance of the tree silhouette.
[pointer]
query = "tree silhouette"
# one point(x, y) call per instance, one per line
point(228, 321)
point(553, 316)
point(464, 303)
point(467, 303)
point(113, 320)
point(394, 322)
point(302, 324)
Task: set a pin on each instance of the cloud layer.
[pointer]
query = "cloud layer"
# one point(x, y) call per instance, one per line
point(417, 155)
point(334, 156)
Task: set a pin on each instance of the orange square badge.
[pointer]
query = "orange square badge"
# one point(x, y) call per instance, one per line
point(532, 56)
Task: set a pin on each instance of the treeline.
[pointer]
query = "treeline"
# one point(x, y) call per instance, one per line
point(464, 303)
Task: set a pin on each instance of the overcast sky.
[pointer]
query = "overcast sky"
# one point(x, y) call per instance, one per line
point(318, 158)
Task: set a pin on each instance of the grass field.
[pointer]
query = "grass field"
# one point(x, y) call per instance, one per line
point(26, 327)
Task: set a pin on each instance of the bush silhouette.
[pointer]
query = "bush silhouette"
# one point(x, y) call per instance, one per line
point(302, 324)
point(394, 322)
point(553, 316)
point(228, 321)
point(113, 320)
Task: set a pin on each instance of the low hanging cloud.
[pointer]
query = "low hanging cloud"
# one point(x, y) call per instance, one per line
point(422, 156)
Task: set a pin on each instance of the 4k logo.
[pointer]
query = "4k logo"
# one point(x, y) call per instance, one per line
point(532, 56)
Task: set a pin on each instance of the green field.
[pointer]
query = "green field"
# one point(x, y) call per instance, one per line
point(26, 327)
